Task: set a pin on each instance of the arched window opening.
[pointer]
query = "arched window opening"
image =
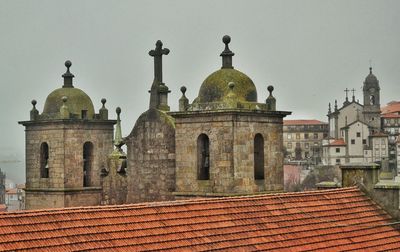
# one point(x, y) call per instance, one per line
point(258, 157)
point(44, 160)
point(87, 163)
point(203, 157)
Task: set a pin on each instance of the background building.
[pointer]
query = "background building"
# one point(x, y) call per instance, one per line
point(358, 127)
point(302, 139)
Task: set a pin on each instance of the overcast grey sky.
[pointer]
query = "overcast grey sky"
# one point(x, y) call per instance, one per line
point(309, 50)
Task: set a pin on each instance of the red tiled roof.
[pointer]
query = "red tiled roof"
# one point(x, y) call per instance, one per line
point(339, 219)
point(338, 142)
point(11, 191)
point(391, 115)
point(391, 107)
point(303, 122)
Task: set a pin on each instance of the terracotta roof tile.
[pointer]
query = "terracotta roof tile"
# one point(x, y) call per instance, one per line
point(337, 142)
point(303, 122)
point(339, 219)
point(391, 107)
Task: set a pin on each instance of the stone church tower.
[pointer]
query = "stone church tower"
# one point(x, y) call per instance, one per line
point(227, 143)
point(372, 106)
point(66, 146)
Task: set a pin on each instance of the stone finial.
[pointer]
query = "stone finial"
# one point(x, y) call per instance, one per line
point(118, 141)
point(231, 97)
point(271, 101)
point(34, 112)
point(64, 111)
point(329, 108)
point(103, 110)
point(370, 70)
point(183, 101)
point(227, 53)
point(336, 108)
point(68, 76)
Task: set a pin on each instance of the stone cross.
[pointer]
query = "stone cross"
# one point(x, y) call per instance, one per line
point(157, 53)
point(353, 90)
point(346, 90)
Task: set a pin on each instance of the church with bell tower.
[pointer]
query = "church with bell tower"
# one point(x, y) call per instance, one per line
point(355, 128)
point(227, 141)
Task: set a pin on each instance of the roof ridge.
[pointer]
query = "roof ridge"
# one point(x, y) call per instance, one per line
point(176, 202)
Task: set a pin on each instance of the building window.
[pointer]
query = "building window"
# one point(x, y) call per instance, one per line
point(258, 157)
point(338, 161)
point(289, 145)
point(337, 150)
point(358, 134)
point(325, 135)
point(306, 154)
point(364, 141)
point(315, 135)
point(297, 135)
point(44, 160)
point(306, 145)
point(289, 136)
point(87, 163)
point(305, 135)
point(203, 157)
point(353, 141)
point(297, 145)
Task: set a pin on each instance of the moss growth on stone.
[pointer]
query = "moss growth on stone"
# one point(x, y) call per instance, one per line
point(215, 87)
point(76, 102)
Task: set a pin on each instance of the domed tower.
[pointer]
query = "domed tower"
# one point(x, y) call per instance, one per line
point(372, 109)
point(226, 142)
point(66, 147)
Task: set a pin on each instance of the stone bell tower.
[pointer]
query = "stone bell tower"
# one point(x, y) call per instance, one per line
point(372, 111)
point(228, 143)
point(66, 148)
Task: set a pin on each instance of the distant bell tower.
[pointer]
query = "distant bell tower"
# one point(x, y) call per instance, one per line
point(372, 110)
point(66, 147)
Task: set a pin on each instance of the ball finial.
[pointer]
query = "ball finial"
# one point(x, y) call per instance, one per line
point(270, 89)
point(68, 64)
point(64, 99)
point(226, 39)
point(231, 85)
point(103, 101)
point(34, 102)
point(183, 90)
point(118, 110)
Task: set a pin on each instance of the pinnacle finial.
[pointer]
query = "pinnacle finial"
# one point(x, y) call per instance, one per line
point(270, 88)
point(118, 142)
point(34, 102)
point(231, 85)
point(68, 76)
point(183, 90)
point(227, 53)
point(329, 108)
point(370, 70)
point(103, 101)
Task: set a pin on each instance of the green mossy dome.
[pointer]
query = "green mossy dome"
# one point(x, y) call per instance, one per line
point(77, 100)
point(215, 86)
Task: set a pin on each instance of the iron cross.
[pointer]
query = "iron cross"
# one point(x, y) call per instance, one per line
point(157, 54)
point(353, 90)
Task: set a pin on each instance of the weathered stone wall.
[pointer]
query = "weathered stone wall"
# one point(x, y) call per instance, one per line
point(65, 140)
point(151, 158)
point(231, 136)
